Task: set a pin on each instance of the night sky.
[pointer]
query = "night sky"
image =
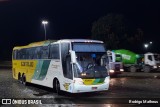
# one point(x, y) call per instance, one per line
point(20, 20)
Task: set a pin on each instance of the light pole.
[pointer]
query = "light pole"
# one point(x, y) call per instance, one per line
point(44, 22)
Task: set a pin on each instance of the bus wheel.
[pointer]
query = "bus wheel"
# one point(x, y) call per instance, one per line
point(133, 69)
point(146, 69)
point(24, 80)
point(19, 78)
point(54, 85)
point(58, 90)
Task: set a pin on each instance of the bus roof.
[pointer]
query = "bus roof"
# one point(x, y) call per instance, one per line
point(81, 40)
point(34, 44)
point(47, 42)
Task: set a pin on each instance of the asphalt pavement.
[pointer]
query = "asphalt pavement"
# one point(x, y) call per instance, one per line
point(128, 86)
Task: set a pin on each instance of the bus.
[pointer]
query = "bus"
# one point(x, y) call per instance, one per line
point(70, 65)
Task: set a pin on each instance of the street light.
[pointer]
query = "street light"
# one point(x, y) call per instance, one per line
point(44, 22)
point(150, 42)
point(146, 46)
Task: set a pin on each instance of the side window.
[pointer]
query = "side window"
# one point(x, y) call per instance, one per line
point(23, 54)
point(150, 57)
point(64, 50)
point(54, 51)
point(37, 53)
point(30, 53)
point(15, 54)
point(27, 54)
point(44, 52)
point(69, 67)
point(18, 54)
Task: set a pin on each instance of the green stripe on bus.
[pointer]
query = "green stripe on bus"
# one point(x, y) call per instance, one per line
point(38, 69)
point(98, 81)
point(41, 69)
point(44, 69)
point(101, 80)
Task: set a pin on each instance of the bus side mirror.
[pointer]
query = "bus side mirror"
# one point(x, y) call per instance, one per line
point(73, 56)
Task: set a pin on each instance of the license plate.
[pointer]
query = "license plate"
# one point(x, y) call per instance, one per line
point(94, 88)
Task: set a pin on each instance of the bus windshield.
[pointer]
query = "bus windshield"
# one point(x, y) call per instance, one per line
point(89, 65)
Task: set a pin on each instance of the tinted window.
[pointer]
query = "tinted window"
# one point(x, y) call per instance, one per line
point(54, 51)
point(44, 52)
point(68, 68)
point(37, 52)
point(65, 59)
point(22, 54)
point(32, 53)
point(150, 57)
point(15, 54)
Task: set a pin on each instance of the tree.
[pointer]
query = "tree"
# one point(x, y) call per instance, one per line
point(116, 33)
point(109, 29)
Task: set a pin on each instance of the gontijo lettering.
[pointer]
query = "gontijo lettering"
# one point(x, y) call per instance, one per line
point(29, 64)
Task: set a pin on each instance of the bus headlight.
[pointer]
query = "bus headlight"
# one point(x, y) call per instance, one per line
point(111, 71)
point(83, 74)
point(121, 70)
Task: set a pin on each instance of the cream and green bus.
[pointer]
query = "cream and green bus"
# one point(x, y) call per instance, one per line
point(70, 65)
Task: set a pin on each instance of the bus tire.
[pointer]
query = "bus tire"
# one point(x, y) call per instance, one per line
point(54, 85)
point(24, 80)
point(146, 69)
point(58, 89)
point(19, 77)
point(133, 69)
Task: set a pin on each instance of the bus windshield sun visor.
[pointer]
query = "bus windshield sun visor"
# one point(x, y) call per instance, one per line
point(86, 47)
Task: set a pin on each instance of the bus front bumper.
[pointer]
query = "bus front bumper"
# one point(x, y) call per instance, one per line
point(91, 88)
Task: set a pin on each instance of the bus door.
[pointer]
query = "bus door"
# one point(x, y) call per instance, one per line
point(66, 67)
